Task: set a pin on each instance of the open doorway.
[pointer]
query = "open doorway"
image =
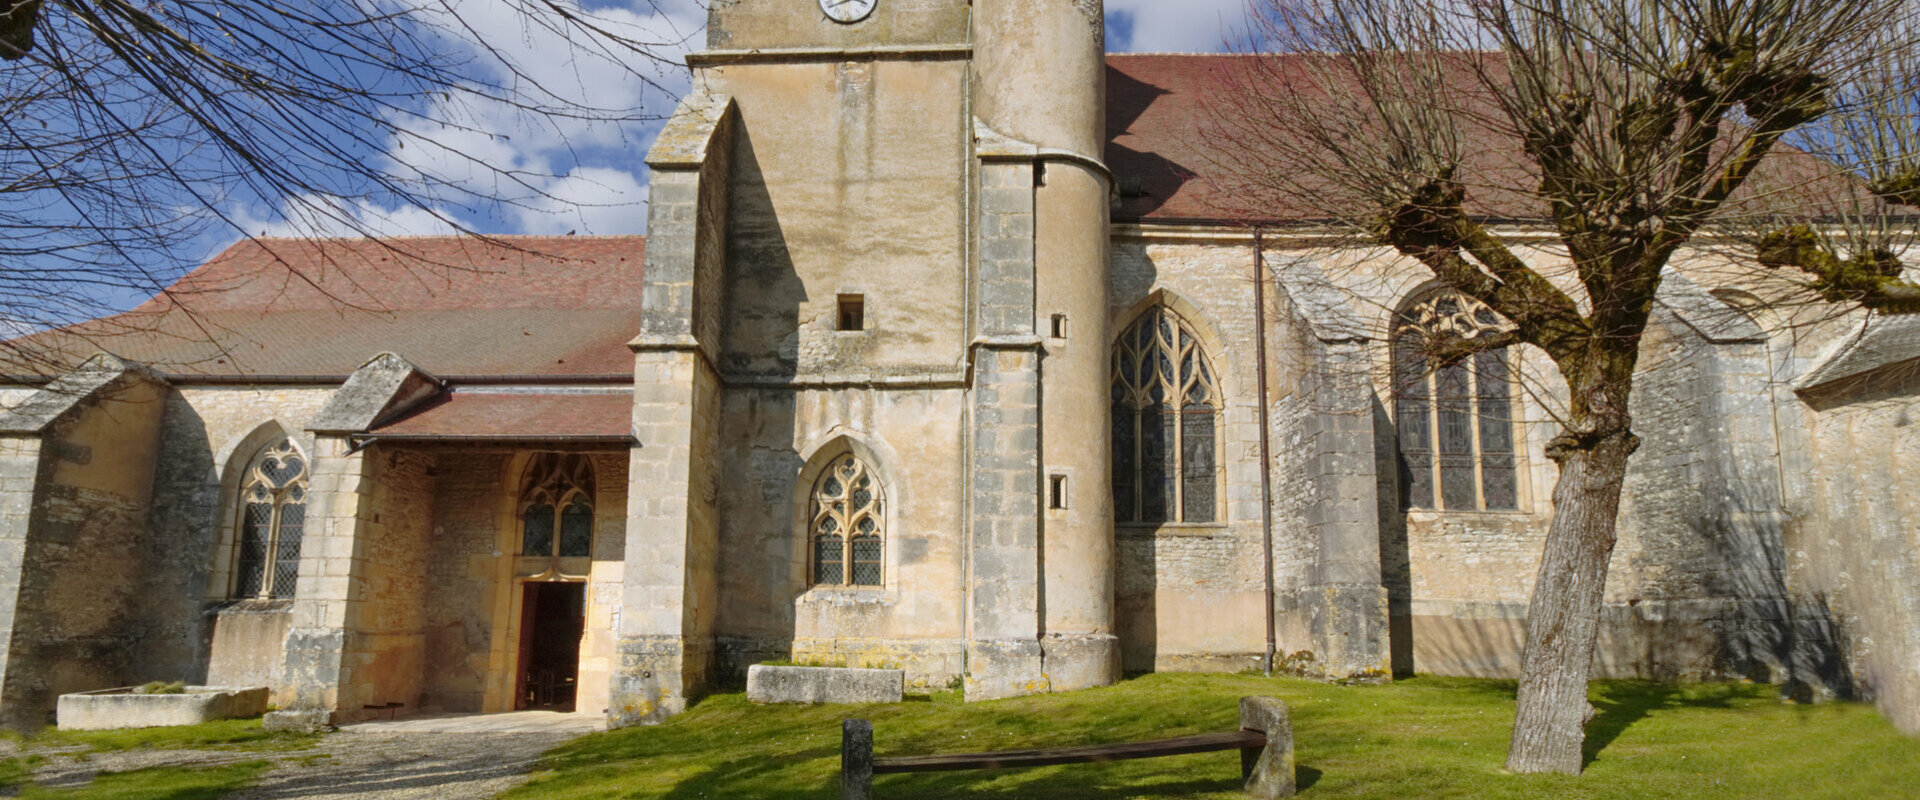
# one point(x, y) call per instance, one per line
point(552, 618)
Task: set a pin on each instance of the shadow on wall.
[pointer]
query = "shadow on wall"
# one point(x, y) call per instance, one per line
point(760, 465)
point(1396, 555)
point(181, 541)
point(1137, 560)
point(1772, 634)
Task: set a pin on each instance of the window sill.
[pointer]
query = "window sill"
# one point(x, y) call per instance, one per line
point(1145, 530)
point(846, 595)
point(251, 605)
point(1429, 513)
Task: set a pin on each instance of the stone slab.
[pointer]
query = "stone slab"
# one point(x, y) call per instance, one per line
point(770, 684)
point(121, 708)
point(1270, 775)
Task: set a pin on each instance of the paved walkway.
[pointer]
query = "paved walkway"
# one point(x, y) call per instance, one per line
point(450, 757)
point(511, 722)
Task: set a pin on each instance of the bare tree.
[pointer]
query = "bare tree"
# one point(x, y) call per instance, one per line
point(1626, 129)
point(133, 132)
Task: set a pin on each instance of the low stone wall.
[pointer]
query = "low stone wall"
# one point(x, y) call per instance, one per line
point(121, 708)
point(769, 684)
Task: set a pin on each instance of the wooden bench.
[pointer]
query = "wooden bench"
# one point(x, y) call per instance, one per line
point(1265, 742)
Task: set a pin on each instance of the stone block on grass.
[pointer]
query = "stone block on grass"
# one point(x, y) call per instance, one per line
point(123, 708)
point(771, 684)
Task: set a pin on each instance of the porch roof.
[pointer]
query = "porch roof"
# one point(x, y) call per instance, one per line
point(535, 414)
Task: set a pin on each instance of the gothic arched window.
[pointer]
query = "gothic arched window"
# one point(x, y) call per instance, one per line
point(556, 506)
point(1166, 404)
point(272, 517)
point(1455, 421)
point(848, 525)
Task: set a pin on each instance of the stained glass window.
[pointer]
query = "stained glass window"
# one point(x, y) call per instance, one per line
point(848, 525)
point(271, 519)
point(556, 506)
point(1165, 404)
point(1455, 419)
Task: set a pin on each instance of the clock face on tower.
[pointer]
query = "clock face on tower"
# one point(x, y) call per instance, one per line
point(848, 10)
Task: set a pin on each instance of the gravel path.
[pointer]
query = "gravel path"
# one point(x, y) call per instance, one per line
point(403, 766)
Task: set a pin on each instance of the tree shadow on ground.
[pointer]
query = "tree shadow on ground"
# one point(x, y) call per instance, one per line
point(1621, 704)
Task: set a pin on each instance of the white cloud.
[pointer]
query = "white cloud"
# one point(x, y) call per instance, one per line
point(508, 169)
point(588, 200)
point(312, 216)
point(1159, 26)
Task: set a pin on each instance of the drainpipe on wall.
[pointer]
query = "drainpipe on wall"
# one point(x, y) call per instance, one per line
point(1266, 459)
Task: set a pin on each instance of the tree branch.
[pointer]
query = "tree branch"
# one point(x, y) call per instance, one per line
point(1871, 278)
point(1432, 227)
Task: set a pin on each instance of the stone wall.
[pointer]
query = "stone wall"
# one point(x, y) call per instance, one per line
point(599, 647)
point(1854, 558)
point(208, 434)
point(247, 645)
point(834, 158)
point(389, 640)
point(74, 499)
point(1190, 596)
point(463, 577)
point(774, 446)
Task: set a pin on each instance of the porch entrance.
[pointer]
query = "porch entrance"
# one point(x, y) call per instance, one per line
point(552, 618)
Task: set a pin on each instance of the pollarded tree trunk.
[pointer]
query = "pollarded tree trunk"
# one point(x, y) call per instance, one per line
point(1563, 617)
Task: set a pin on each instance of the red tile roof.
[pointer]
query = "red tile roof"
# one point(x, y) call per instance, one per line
point(516, 415)
point(453, 306)
point(1170, 156)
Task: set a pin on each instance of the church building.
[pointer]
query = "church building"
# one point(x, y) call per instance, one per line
point(942, 352)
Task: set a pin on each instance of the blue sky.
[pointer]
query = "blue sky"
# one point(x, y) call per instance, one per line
point(588, 177)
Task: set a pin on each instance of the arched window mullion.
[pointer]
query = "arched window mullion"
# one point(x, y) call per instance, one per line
point(846, 535)
point(1166, 436)
point(1454, 420)
point(270, 522)
point(557, 506)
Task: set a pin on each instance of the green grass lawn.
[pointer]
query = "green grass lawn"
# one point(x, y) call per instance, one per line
point(225, 734)
point(159, 783)
point(1419, 738)
point(198, 782)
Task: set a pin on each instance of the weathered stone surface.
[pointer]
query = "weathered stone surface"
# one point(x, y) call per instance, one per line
point(379, 390)
point(772, 684)
point(301, 720)
point(122, 708)
point(1271, 775)
point(856, 759)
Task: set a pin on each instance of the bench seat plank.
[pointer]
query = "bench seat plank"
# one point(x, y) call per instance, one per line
point(1203, 743)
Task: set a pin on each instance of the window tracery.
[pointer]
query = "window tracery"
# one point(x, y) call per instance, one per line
point(848, 525)
point(1455, 420)
point(272, 521)
point(1165, 405)
point(556, 506)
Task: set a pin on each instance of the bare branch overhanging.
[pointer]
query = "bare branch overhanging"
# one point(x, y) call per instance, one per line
point(130, 132)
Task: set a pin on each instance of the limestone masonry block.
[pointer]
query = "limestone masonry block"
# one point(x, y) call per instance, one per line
point(1271, 775)
point(770, 684)
point(121, 708)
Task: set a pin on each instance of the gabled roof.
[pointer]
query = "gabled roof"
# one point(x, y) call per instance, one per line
point(1884, 341)
point(1171, 159)
point(557, 306)
point(469, 415)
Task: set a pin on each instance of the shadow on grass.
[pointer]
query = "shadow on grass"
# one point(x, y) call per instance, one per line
point(1621, 704)
point(1305, 777)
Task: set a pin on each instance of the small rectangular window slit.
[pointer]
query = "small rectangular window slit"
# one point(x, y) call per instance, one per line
point(1057, 492)
point(1059, 326)
point(853, 312)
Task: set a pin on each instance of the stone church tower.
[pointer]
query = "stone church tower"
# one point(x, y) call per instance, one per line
point(877, 254)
